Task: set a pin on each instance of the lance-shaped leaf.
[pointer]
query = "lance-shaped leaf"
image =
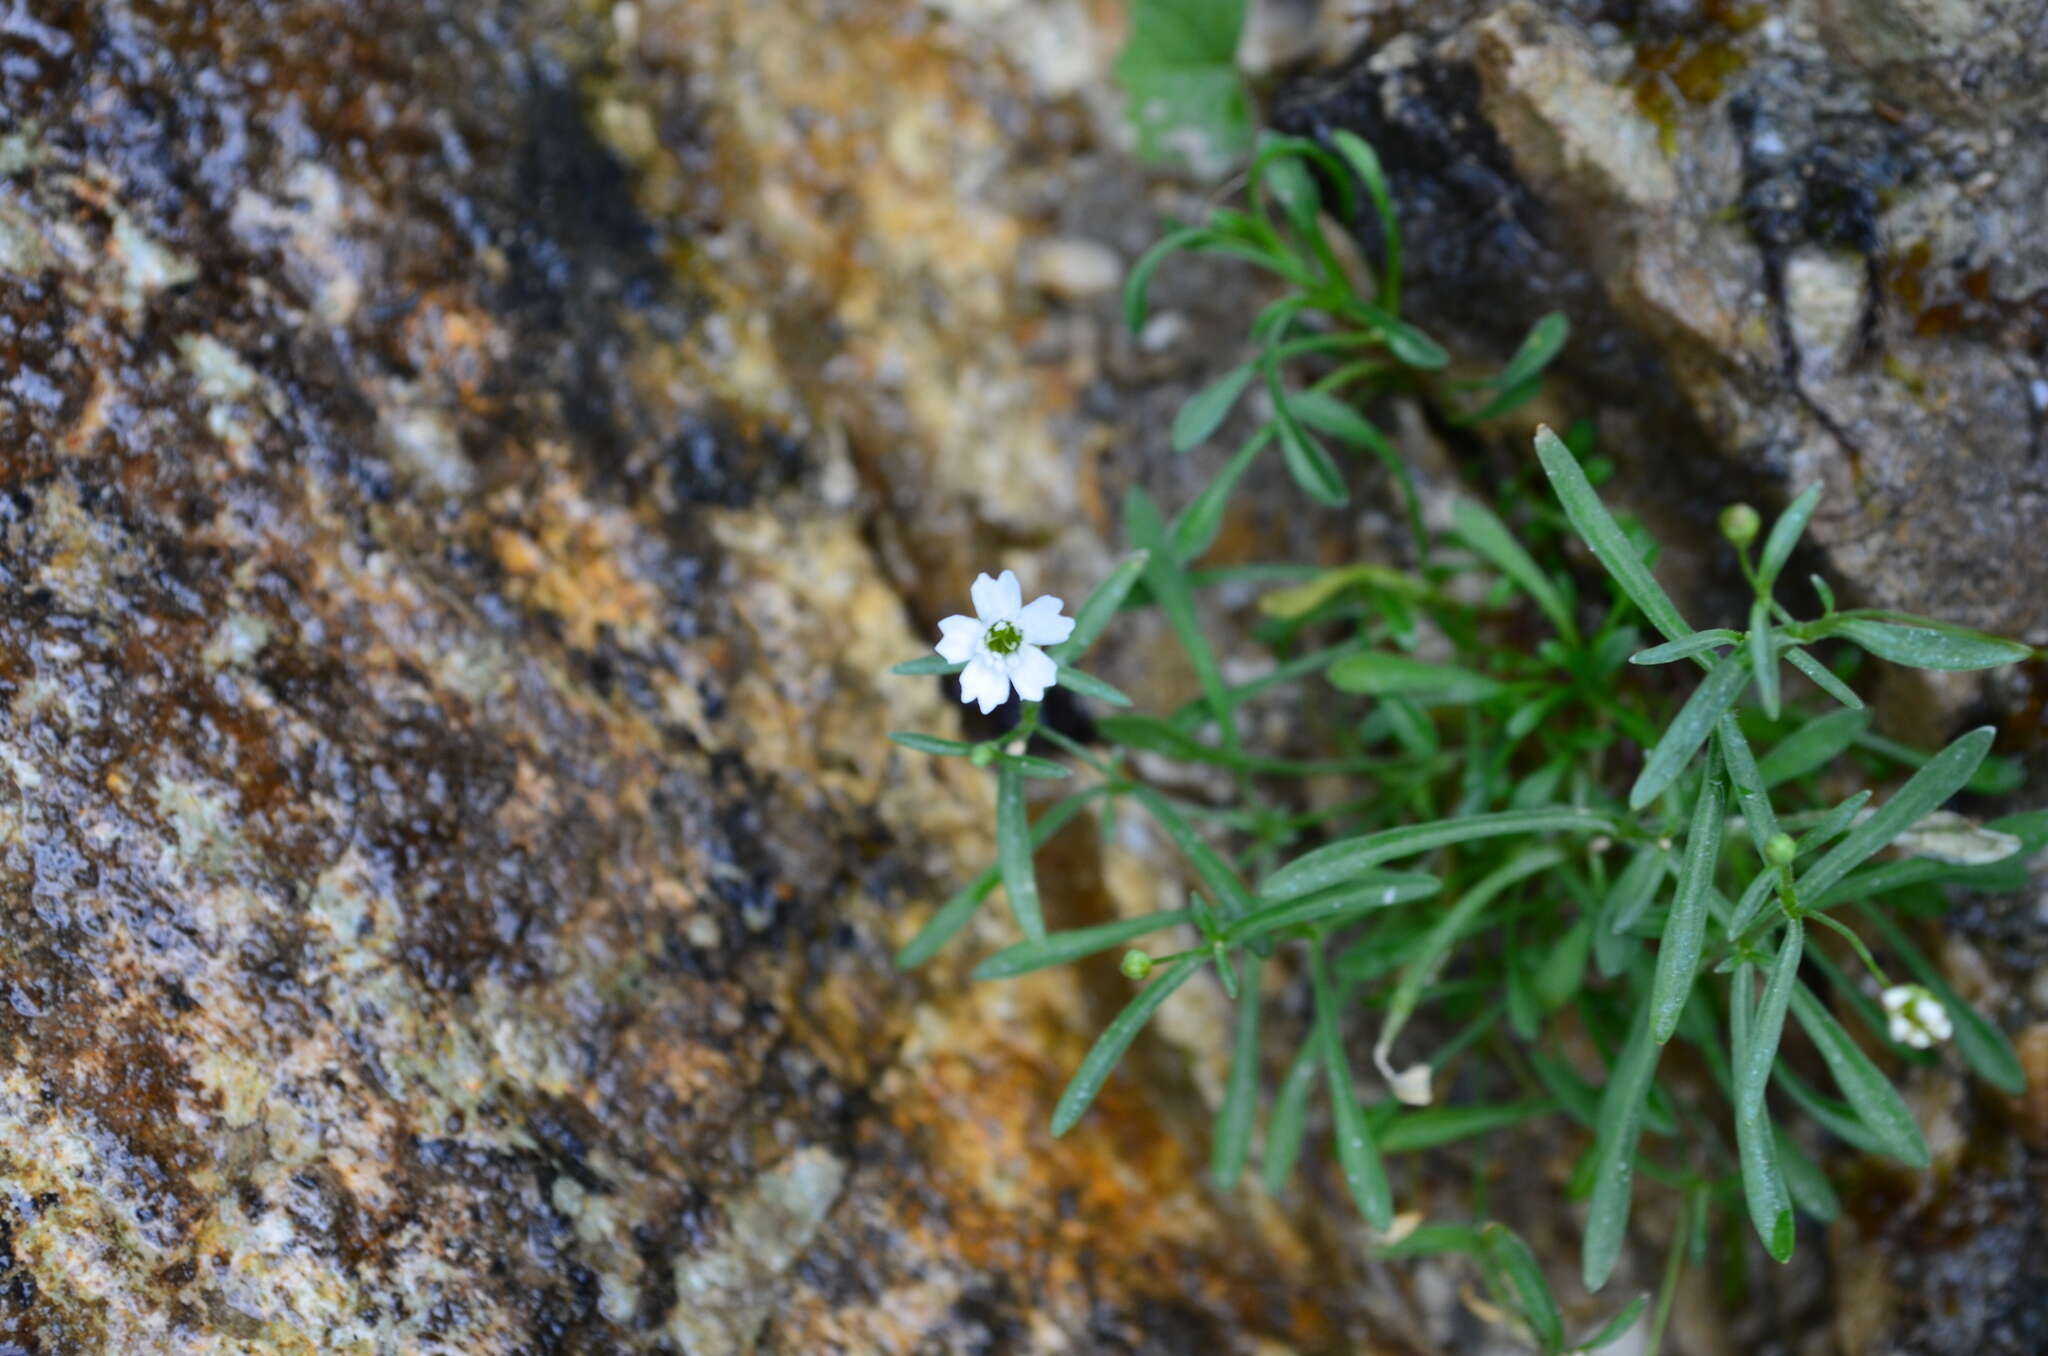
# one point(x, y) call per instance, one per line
point(1115, 1039)
point(1876, 1101)
point(1357, 1155)
point(1337, 862)
point(1941, 777)
point(1058, 948)
point(1618, 1130)
point(1685, 928)
point(1609, 544)
point(1689, 728)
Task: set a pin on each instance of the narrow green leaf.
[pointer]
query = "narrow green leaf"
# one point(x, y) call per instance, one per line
point(1689, 729)
point(1042, 768)
point(1288, 1120)
point(1784, 536)
point(954, 914)
point(926, 666)
point(1364, 1174)
point(924, 743)
point(1479, 528)
point(1609, 544)
point(1116, 1038)
point(1531, 1291)
point(1763, 1185)
point(1432, 1240)
point(1205, 410)
point(1750, 793)
point(1834, 823)
point(1541, 344)
point(1941, 777)
point(1614, 1151)
point(1095, 613)
point(1876, 1102)
point(1013, 852)
point(1506, 400)
point(1088, 685)
point(1753, 1063)
point(1824, 678)
point(1698, 642)
point(1170, 589)
point(1338, 862)
point(1404, 1132)
point(1139, 281)
point(1366, 163)
point(1678, 957)
point(1308, 461)
point(1615, 1328)
point(1635, 889)
point(1836, 1117)
point(1195, 527)
point(1365, 893)
point(1378, 674)
point(1763, 661)
point(1231, 1144)
point(1231, 896)
point(1326, 413)
point(1058, 948)
point(1805, 1182)
point(1812, 746)
point(1563, 970)
point(1924, 647)
point(1984, 1047)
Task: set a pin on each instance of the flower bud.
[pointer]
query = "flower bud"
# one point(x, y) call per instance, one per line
point(982, 755)
point(1779, 849)
point(1136, 964)
point(1739, 524)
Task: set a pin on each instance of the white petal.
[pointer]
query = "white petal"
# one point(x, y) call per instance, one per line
point(1033, 672)
point(1042, 623)
point(957, 638)
point(1901, 1029)
point(982, 682)
point(1896, 998)
point(997, 599)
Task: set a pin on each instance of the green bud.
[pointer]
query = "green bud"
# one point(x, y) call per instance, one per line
point(1136, 964)
point(1740, 524)
point(1779, 849)
point(982, 755)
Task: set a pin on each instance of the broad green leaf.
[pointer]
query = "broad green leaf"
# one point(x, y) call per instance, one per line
point(1289, 1117)
point(1699, 642)
point(957, 910)
point(1615, 1328)
point(1678, 956)
point(1689, 729)
point(1088, 685)
point(1378, 674)
point(1058, 948)
point(1338, 862)
point(1941, 777)
point(1824, 678)
point(1479, 528)
point(1095, 613)
point(924, 743)
point(1876, 1101)
point(1013, 852)
point(1609, 544)
point(1763, 661)
point(1763, 1184)
point(1983, 1046)
point(1232, 1142)
point(1230, 894)
point(1753, 1063)
point(1116, 1038)
point(1403, 1131)
point(1364, 1173)
point(1511, 1256)
point(1614, 1151)
point(926, 666)
point(1365, 893)
point(1784, 536)
point(1812, 746)
point(1925, 647)
point(1362, 159)
point(1204, 411)
point(1178, 72)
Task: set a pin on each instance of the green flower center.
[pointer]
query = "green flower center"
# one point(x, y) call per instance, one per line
point(1003, 638)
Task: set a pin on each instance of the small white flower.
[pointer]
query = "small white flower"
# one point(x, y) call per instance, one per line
point(1000, 643)
point(1917, 1017)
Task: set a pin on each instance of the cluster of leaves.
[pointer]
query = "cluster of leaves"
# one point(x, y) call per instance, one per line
point(1567, 863)
point(1178, 70)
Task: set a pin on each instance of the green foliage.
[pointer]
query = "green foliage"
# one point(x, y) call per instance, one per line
point(1529, 844)
point(1178, 72)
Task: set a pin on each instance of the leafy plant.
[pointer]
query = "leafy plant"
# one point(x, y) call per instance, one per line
point(1558, 858)
point(1178, 71)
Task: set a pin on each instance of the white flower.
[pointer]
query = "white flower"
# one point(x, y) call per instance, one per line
point(1000, 643)
point(1917, 1017)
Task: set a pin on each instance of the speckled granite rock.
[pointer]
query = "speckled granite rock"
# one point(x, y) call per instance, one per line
point(463, 468)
